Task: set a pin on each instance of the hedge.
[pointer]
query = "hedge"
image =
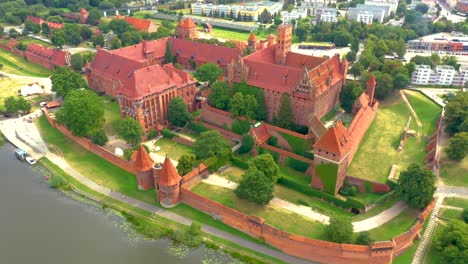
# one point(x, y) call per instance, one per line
point(368, 186)
point(275, 155)
point(239, 163)
point(307, 190)
point(198, 127)
point(384, 197)
point(297, 164)
point(392, 184)
point(168, 133)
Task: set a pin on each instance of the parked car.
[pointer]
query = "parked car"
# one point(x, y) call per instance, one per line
point(30, 160)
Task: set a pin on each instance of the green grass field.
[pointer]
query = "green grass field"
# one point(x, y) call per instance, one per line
point(457, 202)
point(93, 166)
point(397, 226)
point(427, 111)
point(111, 114)
point(37, 41)
point(171, 149)
point(277, 217)
point(453, 173)
point(17, 65)
point(378, 209)
point(378, 150)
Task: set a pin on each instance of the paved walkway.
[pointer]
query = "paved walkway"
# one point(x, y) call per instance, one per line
point(306, 211)
point(60, 162)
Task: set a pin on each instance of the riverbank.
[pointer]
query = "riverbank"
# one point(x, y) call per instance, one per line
point(152, 226)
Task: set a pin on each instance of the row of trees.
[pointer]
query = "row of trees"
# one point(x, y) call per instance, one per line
point(14, 105)
point(456, 116)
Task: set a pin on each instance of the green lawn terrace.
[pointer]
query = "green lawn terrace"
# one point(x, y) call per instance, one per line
point(379, 148)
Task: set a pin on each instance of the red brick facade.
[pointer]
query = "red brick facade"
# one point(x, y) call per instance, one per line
point(48, 58)
point(186, 29)
point(313, 83)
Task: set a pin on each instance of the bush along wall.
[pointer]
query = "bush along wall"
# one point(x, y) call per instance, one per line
point(275, 155)
point(298, 146)
point(297, 164)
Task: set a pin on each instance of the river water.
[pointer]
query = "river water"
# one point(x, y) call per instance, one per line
point(42, 225)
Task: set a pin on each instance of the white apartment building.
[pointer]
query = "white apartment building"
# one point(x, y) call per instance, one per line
point(328, 15)
point(421, 74)
point(444, 74)
point(365, 17)
point(461, 78)
point(393, 4)
point(294, 14)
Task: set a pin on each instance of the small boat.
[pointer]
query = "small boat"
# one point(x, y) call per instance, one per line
point(20, 154)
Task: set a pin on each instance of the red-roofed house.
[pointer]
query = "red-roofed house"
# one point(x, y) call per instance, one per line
point(167, 183)
point(313, 83)
point(39, 21)
point(48, 58)
point(187, 29)
point(146, 94)
point(80, 17)
point(142, 24)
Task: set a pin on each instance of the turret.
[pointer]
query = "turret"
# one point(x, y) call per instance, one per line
point(143, 165)
point(167, 183)
point(283, 45)
point(252, 40)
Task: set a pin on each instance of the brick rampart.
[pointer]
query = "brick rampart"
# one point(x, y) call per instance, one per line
point(215, 116)
point(226, 133)
point(90, 146)
point(358, 127)
point(285, 153)
point(12, 50)
point(183, 141)
point(194, 177)
point(377, 187)
point(303, 247)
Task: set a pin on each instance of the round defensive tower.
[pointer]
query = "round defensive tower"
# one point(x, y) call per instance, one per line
point(143, 165)
point(167, 183)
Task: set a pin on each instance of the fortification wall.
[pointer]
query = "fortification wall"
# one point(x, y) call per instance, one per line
point(360, 183)
point(90, 146)
point(284, 154)
point(358, 127)
point(12, 50)
point(183, 141)
point(215, 116)
point(194, 177)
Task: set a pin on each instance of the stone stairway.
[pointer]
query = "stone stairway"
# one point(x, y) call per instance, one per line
point(426, 237)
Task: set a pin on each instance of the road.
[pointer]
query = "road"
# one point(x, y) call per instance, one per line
point(447, 12)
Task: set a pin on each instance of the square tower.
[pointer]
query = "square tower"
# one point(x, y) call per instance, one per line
point(284, 42)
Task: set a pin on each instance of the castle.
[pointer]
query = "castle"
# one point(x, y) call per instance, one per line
point(313, 83)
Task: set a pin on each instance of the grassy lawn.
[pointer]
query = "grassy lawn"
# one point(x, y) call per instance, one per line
point(293, 175)
point(379, 146)
point(378, 209)
point(451, 213)
point(111, 114)
point(9, 87)
point(17, 65)
point(458, 202)
point(453, 173)
point(427, 111)
point(277, 217)
point(367, 198)
point(227, 34)
point(232, 173)
point(397, 226)
point(93, 166)
point(36, 41)
point(172, 149)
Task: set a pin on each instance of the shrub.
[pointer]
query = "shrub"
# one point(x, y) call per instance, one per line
point(247, 143)
point(302, 202)
point(240, 127)
point(198, 127)
point(297, 164)
point(57, 182)
point(364, 238)
point(368, 186)
point(340, 230)
point(239, 163)
point(354, 203)
point(128, 154)
point(465, 215)
point(168, 133)
point(272, 141)
point(99, 137)
point(348, 189)
point(190, 236)
point(152, 134)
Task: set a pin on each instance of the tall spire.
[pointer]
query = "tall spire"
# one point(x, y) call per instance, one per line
point(168, 175)
point(141, 160)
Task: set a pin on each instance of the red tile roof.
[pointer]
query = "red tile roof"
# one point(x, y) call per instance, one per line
point(55, 56)
point(53, 25)
point(35, 20)
point(137, 52)
point(260, 133)
point(336, 140)
point(52, 104)
point(363, 99)
point(83, 11)
point(139, 24)
point(142, 82)
point(12, 42)
point(168, 175)
point(186, 23)
point(141, 160)
point(252, 37)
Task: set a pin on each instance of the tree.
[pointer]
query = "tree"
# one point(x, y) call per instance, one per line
point(247, 143)
point(177, 113)
point(465, 215)
point(340, 230)
point(422, 8)
point(384, 85)
point(65, 80)
point(416, 186)
point(236, 105)
point(451, 60)
point(458, 146)
point(208, 72)
point(451, 241)
point(456, 114)
point(106, 5)
point(351, 56)
point(185, 164)
point(401, 80)
point(285, 113)
point(220, 95)
point(364, 238)
point(130, 38)
point(82, 112)
point(210, 143)
point(266, 164)
point(99, 137)
point(120, 26)
point(350, 92)
point(130, 130)
point(94, 16)
point(77, 62)
point(22, 105)
point(55, 19)
point(45, 28)
point(277, 20)
point(356, 70)
point(98, 40)
point(255, 187)
point(58, 38)
point(168, 57)
point(2, 30)
point(85, 33)
point(115, 43)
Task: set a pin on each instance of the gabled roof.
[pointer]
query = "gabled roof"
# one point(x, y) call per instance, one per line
point(35, 20)
point(336, 140)
point(260, 133)
point(139, 24)
point(252, 37)
point(55, 56)
point(168, 175)
point(186, 23)
point(154, 79)
point(53, 25)
point(141, 160)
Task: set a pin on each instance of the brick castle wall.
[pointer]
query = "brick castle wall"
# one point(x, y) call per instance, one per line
point(183, 141)
point(90, 146)
point(12, 50)
point(377, 187)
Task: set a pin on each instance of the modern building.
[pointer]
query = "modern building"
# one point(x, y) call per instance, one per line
point(250, 9)
point(312, 83)
point(365, 17)
point(453, 42)
point(295, 14)
point(441, 75)
point(328, 15)
point(48, 58)
point(367, 13)
point(392, 4)
point(314, 6)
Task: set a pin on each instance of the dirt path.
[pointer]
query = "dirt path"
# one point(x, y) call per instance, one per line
point(416, 117)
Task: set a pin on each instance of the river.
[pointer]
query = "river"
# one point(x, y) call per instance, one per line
point(42, 225)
